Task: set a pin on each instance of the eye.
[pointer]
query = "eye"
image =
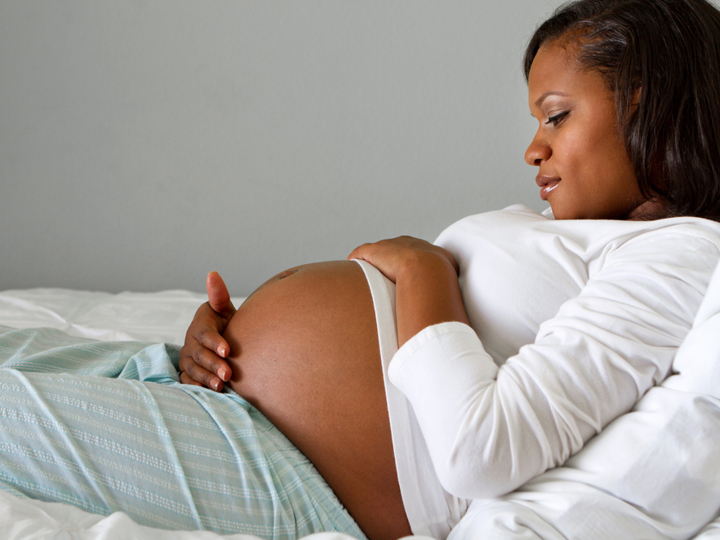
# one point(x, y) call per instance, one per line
point(556, 119)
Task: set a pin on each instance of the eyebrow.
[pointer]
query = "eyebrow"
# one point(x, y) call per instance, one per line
point(547, 95)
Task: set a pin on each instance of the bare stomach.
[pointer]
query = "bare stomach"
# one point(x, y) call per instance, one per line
point(305, 352)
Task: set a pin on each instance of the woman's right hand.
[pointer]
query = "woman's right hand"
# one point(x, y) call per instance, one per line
point(202, 356)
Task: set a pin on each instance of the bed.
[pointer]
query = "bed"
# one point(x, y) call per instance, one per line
point(153, 317)
point(592, 496)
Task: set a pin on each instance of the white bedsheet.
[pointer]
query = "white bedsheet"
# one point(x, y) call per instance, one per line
point(25, 519)
point(164, 316)
point(155, 317)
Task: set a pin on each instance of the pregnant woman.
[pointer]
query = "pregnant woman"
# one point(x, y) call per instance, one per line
point(418, 377)
point(519, 337)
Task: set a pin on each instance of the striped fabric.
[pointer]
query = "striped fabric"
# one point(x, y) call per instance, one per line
point(106, 426)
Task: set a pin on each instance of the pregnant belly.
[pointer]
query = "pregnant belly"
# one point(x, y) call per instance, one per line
point(305, 352)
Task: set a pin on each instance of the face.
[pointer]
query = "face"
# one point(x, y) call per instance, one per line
point(584, 171)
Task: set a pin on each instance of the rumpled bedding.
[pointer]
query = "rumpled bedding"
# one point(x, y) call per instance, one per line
point(25, 519)
point(155, 317)
point(654, 473)
point(150, 317)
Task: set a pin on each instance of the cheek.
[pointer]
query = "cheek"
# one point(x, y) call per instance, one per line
point(608, 144)
point(573, 157)
point(598, 158)
point(615, 165)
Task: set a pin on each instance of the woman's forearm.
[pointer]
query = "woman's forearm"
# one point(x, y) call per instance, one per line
point(427, 293)
point(426, 279)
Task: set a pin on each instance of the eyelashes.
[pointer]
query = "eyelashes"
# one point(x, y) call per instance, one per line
point(556, 119)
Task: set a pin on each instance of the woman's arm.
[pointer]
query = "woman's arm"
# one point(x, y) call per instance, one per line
point(489, 430)
point(426, 282)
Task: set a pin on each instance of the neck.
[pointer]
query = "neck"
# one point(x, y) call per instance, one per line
point(649, 210)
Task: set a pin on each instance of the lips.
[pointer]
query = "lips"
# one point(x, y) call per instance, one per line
point(546, 185)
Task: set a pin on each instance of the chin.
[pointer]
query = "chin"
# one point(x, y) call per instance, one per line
point(560, 213)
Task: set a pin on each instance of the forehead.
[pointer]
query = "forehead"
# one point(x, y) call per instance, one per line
point(555, 71)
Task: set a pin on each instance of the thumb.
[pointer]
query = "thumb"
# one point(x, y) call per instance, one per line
point(218, 295)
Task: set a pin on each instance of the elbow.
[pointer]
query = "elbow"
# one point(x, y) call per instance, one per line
point(477, 475)
point(460, 485)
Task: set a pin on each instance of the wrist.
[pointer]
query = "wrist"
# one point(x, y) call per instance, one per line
point(427, 293)
point(426, 267)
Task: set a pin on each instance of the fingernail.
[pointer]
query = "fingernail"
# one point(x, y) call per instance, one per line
point(215, 384)
point(221, 352)
point(223, 374)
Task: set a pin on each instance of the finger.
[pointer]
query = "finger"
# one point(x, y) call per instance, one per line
point(206, 328)
point(358, 252)
point(185, 379)
point(216, 385)
point(211, 340)
point(218, 295)
point(207, 360)
point(199, 376)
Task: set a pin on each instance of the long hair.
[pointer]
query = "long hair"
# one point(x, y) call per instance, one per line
point(661, 59)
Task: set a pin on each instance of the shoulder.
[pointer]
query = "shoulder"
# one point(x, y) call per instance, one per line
point(677, 241)
point(673, 230)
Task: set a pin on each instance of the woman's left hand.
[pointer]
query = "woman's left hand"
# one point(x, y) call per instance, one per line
point(404, 253)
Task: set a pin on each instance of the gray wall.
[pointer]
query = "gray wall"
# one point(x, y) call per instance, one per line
point(145, 143)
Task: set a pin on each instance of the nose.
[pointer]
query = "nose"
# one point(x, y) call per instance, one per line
point(538, 151)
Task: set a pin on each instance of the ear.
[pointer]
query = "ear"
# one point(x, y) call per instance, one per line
point(637, 96)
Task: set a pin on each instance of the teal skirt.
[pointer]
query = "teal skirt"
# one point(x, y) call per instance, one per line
point(106, 426)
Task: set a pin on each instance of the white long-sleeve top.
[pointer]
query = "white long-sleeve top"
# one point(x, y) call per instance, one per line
point(571, 323)
point(652, 473)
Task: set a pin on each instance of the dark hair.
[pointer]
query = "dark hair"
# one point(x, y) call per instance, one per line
point(669, 51)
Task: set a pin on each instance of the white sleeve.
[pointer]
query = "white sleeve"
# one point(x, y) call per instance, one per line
point(489, 430)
